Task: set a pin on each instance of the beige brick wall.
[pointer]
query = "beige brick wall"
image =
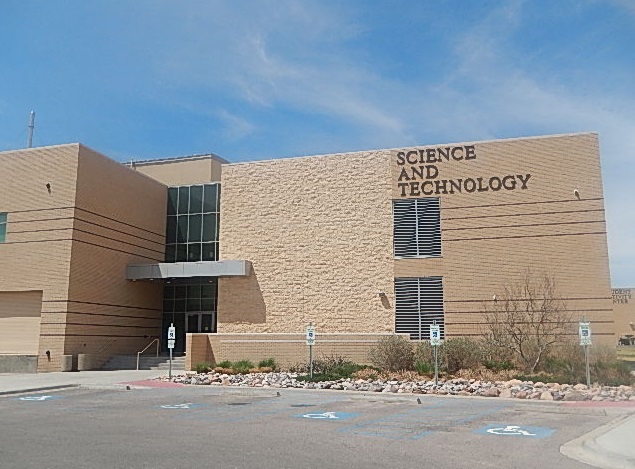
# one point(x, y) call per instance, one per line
point(73, 240)
point(36, 254)
point(317, 231)
point(288, 350)
point(624, 311)
point(491, 238)
point(119, 220)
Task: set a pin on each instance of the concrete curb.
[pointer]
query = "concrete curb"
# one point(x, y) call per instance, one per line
point(38, 389)
point(586, 448)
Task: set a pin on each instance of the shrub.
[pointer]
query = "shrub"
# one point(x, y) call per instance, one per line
point(367, 373)
point(203, 367)
point(242, 366)
point(225, 364)
point(393, 353)
point(567, 365)
point(331, 369)
point(498, 365)
point(424, 368)
point(461, 353)
point(268, 363)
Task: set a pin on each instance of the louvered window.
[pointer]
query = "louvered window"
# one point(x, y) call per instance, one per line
point(417, 227)
point(418, 303)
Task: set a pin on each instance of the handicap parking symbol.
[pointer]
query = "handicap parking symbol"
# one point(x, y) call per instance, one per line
point(188, 405)
point(516, 430)
point(328, 415)
point(37, 398)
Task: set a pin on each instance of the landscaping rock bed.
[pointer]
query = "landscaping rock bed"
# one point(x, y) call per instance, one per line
point(460, 387)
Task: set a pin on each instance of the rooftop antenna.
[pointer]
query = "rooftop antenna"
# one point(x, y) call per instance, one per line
point(29, 140)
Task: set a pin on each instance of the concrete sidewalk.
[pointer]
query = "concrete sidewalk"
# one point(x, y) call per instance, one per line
point(611, 446)
point(13, 383)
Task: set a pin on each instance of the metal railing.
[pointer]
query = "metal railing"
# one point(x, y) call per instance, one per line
point(146, 348)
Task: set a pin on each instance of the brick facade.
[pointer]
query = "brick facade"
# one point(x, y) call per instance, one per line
point(318, 232)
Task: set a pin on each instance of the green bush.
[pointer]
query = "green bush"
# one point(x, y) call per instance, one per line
point(203, 367)
point(424, 368)
point(268, 363)
point(242, 366)
point(567, 365)
point(498, 365)
point(394, 353)
point(461, 353)
point(331, 369)
point(225, 364)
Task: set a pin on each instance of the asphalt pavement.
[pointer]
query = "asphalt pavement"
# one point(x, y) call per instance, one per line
point(609, 446)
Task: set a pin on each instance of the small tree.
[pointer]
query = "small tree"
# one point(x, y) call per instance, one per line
point(528, 319)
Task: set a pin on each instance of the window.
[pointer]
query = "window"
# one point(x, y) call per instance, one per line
point(3, 227)
point(418, 303)
point(192, 224)
point(417, 228)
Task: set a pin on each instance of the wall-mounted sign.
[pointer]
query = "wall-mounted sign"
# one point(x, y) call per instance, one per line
point(419, 174)
point(621, 295)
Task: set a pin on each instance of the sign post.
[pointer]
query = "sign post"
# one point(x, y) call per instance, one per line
point(585, 341)
point(171, 340)
point(310, 341)
point(435, 341)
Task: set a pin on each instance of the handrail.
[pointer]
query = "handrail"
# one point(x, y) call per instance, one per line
point(147, 347)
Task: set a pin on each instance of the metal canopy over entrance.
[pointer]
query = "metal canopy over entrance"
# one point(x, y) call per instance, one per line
point(166, 270)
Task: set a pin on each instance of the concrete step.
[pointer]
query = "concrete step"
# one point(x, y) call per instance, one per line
point(129, 362)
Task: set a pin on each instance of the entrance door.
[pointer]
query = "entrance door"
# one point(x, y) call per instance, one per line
point(200, 322)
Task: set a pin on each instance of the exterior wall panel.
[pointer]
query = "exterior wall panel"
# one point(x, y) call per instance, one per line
point(120, 220)
point(182, 171)
point(36, 254)
point(318, 232)
point(20, 322)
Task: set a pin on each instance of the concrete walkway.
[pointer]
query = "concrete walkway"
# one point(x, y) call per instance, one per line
point(611, 446)
point(13, 383)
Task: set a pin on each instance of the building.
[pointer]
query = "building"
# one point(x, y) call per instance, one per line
point(98, 258)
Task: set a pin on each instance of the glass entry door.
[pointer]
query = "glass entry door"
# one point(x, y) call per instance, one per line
point(200, 323)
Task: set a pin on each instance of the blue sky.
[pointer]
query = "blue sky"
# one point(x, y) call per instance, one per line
point(252, 80)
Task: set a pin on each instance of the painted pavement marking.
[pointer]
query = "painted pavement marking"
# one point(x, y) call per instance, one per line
point(516, 430)
point(328, 415)
point(417, 423)
point(38, 398)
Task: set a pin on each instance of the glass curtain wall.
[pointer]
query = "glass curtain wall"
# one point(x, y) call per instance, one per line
point(193, 215)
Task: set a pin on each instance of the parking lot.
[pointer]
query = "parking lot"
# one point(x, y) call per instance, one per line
point(247, 428)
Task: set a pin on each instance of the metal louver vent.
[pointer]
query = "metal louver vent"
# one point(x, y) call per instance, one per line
point(417, 227)
point(418, 303)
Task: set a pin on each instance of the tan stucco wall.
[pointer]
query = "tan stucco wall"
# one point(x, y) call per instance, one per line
point(318, 232)
point(182, 171)
point(624, 311)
